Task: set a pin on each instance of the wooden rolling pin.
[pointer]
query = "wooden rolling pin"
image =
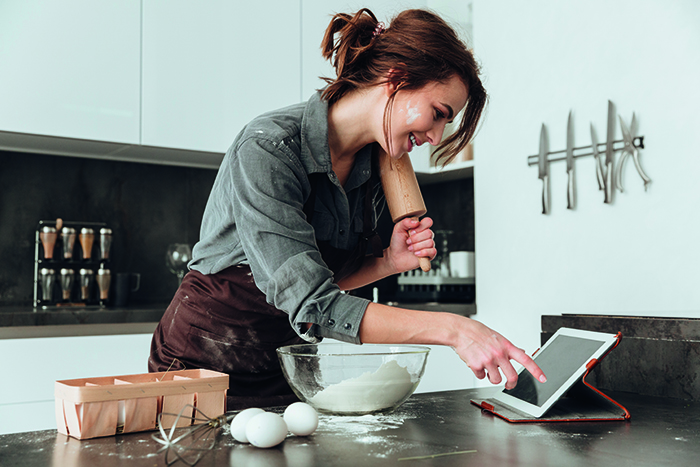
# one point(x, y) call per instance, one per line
point(402, 192)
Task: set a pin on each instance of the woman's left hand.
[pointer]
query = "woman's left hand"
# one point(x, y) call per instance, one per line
point(410, 240)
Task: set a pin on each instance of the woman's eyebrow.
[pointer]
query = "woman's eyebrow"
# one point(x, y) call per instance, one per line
point(450, 112)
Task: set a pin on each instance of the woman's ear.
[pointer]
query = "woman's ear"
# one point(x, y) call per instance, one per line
point(395, 80)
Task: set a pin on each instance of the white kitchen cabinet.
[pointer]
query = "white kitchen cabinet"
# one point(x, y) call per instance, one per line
point(70, 68)
point(31, 366)
point(210, 67)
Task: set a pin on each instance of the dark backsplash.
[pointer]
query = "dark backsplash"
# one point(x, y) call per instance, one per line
point(657, 356)
point(148, 207)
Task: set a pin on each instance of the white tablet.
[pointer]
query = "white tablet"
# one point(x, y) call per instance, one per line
point(563, 358)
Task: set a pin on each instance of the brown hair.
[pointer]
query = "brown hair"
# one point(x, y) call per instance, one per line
point(419, 46)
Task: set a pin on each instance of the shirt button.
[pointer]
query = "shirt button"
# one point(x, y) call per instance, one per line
point(331, 322)
point(341, 231)
point(348, 326)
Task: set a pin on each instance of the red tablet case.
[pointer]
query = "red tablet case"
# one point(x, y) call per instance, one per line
point(581, 403)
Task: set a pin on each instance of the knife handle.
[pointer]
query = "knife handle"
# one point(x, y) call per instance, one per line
point(645, 177)
point(620, 167)
point(545, 198)
point(599, 173)
point(608, 183)
point(570, 189)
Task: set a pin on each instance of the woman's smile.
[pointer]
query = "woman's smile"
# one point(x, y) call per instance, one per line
point(420, 116)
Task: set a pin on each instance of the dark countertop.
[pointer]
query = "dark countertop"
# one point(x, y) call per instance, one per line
point(443, 425)
point(463, 309)
point(25, 321)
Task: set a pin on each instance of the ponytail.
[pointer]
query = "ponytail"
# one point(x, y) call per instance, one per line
point(348, 54)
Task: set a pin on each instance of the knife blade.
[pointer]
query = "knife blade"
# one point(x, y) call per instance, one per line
point(596, 159)
point(542, 164)
point(570, 164)
point(609, 154)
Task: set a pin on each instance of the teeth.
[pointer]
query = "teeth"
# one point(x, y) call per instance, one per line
point(413, 140)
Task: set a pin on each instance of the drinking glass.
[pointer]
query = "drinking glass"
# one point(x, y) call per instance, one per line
point(177, 257)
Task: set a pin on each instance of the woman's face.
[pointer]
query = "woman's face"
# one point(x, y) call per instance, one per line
point(420, 116)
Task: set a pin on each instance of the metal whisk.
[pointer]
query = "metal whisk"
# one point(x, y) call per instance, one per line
point(189, 446)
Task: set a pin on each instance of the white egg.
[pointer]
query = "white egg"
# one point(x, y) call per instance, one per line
point(301, 419)
point(266, 430)
point(240, 421)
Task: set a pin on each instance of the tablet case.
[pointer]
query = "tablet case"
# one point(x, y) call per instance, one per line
point(581, 403)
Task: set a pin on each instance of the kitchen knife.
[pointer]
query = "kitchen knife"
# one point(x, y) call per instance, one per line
point(609, 154)
point(596, 158)
point(543, 169)
point(570, 164)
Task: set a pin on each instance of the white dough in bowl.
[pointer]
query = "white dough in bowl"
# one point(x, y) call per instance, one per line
point(368, 392)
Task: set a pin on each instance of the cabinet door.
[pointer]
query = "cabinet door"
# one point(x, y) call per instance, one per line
point(210, 67)
point(34, 365)
point(70, 68)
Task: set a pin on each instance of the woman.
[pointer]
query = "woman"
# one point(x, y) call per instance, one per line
point(293, 211)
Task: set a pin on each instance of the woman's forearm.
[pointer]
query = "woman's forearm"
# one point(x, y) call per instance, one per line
point(484, 350)
point(386, 324)
point(372, 270)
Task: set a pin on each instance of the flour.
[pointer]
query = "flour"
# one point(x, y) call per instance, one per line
point(369, 392)
point(412, 112)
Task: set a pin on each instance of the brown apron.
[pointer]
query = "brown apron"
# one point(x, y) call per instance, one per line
point(222, 322)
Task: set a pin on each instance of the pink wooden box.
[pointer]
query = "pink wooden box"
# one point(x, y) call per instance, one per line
point(94, 407)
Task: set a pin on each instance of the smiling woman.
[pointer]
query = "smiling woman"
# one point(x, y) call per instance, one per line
point(294, 209)
point(419, 50)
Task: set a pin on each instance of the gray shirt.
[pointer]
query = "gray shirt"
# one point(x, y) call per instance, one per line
point(255, 216)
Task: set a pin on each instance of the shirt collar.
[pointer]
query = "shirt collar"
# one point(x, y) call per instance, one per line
point(316, 155)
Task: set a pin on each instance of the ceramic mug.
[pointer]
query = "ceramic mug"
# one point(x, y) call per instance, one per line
point(462, 264)
point(125, 283)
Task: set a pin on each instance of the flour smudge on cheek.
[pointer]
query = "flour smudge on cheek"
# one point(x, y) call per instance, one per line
point(412, 113)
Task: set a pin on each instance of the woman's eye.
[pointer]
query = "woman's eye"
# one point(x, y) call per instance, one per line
point(439, 114)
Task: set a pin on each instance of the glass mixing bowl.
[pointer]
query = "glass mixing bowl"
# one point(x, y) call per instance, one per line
point(347, 379)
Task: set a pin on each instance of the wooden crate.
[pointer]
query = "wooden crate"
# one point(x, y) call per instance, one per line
point(94, 407)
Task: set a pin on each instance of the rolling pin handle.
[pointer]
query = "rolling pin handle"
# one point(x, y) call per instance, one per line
point(422, 260)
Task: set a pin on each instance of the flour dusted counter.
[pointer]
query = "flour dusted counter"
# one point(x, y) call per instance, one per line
point(440, 428)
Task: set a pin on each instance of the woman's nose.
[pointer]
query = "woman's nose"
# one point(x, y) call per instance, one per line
point(434, 135)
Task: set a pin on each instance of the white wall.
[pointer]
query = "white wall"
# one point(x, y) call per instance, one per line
point(638, 256)
point(33, 365)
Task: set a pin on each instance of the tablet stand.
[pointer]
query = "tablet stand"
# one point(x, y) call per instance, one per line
point(581, 403)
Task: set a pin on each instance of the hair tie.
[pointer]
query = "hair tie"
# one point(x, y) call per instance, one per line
point(379, 29)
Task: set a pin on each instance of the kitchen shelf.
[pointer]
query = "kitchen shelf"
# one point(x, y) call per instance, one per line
point(454, 171)
point(61, 146)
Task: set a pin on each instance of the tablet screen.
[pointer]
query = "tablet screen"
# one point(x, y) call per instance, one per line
point(559, 362)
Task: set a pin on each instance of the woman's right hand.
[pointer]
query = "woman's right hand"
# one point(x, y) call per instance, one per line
point(485, 351)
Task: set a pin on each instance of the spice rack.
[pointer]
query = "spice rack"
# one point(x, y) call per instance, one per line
point(71, 264)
